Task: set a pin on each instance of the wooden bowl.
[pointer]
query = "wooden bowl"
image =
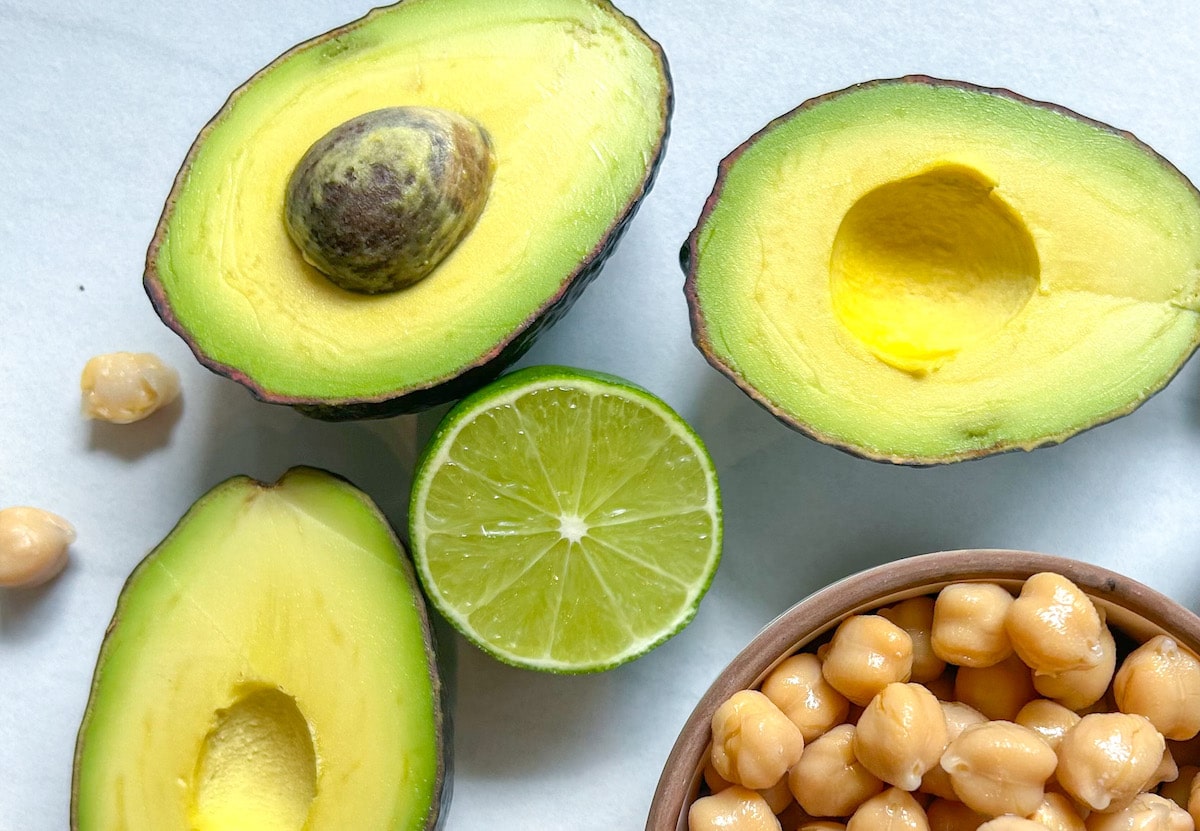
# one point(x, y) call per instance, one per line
point(1132, 607)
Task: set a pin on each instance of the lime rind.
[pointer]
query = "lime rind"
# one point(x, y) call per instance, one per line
point(602, 592)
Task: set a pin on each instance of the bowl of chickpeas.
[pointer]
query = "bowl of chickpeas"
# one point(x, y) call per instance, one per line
point(1002, 690)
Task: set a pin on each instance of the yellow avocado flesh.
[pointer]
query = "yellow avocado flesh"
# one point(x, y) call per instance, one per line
point(923, 271)
point(575, 101)
point(267, 668)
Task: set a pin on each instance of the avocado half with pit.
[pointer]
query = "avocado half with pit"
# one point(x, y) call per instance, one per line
point(502, 222)
point(269, 665)
point(922, 271)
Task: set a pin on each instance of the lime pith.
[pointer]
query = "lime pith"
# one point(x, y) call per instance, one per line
point(565, 520)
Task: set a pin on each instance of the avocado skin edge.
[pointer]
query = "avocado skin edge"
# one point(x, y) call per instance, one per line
point(688, 256)
point(488, 365)
point(442, 696)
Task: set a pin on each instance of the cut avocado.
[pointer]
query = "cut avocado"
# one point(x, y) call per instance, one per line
point(269, 666)
point(922, 271)
point(575, 100)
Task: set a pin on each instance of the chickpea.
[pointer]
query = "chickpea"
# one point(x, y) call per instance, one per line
point(1008, 822)
point(951, 815)
point(968, 624)
point(1048, 719)
point(1180, 788)
point(829, 781)
point(1107, 758)
point(778, 796)
point(1161, 681)
point(33, 546)
point(998, 691)
point(867, 653)
point(123, 387)
point(915, 616)
point(892, 810)
point(958, 717)
point(1054, 627)
point(1077, 689)
point(1057, 812)
point(1146, 812)
point(901, 734)
point(754, 743)
point(733, 809)
point(999, 768)
point(800, 690)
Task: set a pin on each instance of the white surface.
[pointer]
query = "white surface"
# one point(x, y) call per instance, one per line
point(99, 104)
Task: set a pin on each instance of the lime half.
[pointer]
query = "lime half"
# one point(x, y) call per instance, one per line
point(565, 520)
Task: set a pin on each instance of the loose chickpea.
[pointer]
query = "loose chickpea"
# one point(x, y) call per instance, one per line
point(968, 624)
point(1146, 812)
point(829, 781)
point(754, 743)
point(901, 734)
point(1077, 689)
point(1180, 788)
point(1161, 681)
point(867, 653)
point(999, 768)
point(952, 815)
point(123, 387)
point(1048, 719)
point(1107, 758)
point(998, 691)
point(800, 690)
point(733, 809)
point(1008, 822)
point(958, 717)
point(892, 810)
point(33, 546)
point(1057, 812)
point(915, 616)
point(1054, 627)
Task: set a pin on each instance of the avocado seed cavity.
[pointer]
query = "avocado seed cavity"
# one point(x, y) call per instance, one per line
point(927, 266)
point(258, 766)
point(379, 201)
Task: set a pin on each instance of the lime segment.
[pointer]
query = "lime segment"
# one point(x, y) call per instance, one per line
point(565, 520)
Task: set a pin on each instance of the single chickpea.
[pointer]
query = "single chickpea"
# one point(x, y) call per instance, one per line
point(1008, 822)
point(800, 690)
point(958, 717)
point(33, 546)
point(1078, 689)
point(733, 809)
point(915, 616)
point(951, 815)
point(1057, 812)
point(1054, 627)
point(892, 810)
point(1180, 788)
point(867, 653)
point(1108, 758)
point(1048, 719)
point(968, 624)
point(829, 781)
point(1146, 812)
point(901, 734)
point(754, 743)
point(123, 387)
point(999, 768)
point(1161, 681)
point(998, 691)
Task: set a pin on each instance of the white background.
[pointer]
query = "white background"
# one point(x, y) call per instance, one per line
point(98, 104)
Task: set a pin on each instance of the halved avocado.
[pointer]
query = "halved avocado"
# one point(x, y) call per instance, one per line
point(269, 665)
point(922, 271)
point(575, 100)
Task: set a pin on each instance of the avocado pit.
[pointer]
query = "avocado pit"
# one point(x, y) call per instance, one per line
point(379, 201)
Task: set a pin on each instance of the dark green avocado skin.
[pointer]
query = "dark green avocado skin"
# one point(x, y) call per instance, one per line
point(489, 366)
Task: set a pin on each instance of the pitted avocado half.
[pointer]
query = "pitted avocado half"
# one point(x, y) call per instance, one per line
point(269, 666)
point(570, 97)
point(922, 271)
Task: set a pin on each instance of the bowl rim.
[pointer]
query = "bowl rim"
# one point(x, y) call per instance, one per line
point(819, 611)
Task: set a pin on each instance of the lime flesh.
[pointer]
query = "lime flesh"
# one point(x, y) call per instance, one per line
point(565, 521)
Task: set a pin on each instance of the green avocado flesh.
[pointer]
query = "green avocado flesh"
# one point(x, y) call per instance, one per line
point(923, 271)
point(574, 98)
point(268, 667)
